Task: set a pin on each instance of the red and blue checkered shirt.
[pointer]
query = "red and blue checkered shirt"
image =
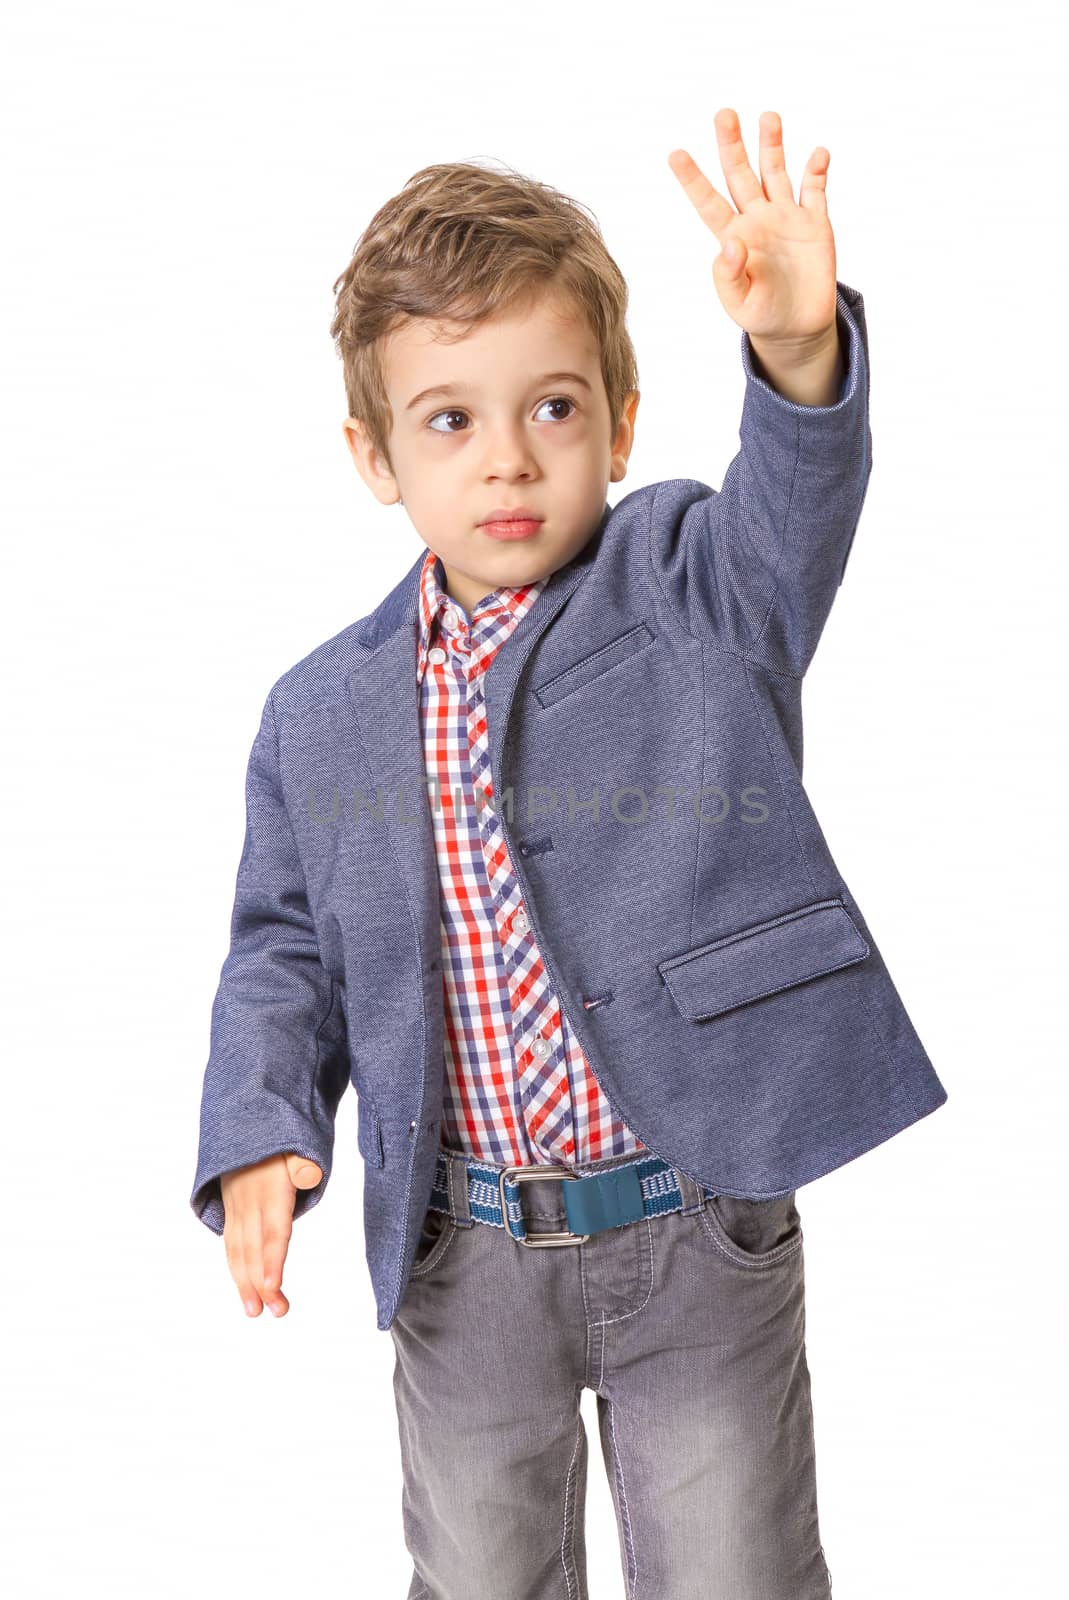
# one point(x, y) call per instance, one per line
point(518, 1088)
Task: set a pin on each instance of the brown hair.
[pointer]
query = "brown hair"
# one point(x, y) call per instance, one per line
point(462, 242)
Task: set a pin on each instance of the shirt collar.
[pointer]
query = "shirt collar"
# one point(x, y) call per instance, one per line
point(505, 605)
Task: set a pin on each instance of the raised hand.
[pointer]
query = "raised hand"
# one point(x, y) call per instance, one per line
point(775, 274)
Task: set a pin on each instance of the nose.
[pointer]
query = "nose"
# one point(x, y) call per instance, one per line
point(508, 453)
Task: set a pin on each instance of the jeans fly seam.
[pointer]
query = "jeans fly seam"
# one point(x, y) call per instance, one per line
point(604, 1321)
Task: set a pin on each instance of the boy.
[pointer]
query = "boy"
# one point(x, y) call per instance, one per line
point(529, 860)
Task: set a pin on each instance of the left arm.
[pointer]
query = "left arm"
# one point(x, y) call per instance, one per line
point(758, 563)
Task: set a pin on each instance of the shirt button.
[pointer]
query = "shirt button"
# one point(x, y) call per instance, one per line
point(519, 922)
point(450, 619)
point(436, 655)
point(541, 1048)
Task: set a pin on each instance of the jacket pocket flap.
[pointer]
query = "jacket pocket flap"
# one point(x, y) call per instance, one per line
point(762, 959)
point(593, 665)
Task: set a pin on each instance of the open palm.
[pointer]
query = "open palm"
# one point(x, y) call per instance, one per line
point(775, 274)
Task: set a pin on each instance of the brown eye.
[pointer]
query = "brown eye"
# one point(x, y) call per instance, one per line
point(438, 414)
point(559, 400)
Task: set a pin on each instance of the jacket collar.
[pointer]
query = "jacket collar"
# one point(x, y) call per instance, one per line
point(401, 605)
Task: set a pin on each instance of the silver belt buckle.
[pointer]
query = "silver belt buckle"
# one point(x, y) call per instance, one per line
point(528, 1174)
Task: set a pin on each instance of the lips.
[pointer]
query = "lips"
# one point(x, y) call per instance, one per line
point(512, 514)
point(510, 530)
point(519, 522)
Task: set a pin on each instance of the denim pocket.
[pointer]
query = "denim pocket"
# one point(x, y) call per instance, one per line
point(752, 1233)
point(435, 1237)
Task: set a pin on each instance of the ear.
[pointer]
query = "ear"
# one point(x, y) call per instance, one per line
point(371, 464)
point(624, 438)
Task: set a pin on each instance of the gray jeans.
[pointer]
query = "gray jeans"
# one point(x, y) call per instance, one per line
point(690, 1329)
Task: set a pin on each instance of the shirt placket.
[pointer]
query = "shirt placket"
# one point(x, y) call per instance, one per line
point(538, 1036)
point(477, 1008)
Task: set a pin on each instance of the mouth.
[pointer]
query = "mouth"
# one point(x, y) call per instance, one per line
point(512, 525)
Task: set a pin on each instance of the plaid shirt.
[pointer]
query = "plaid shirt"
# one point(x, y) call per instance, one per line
point(518, 1087)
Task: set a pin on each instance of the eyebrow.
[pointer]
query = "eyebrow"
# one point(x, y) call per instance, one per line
point(447, 389)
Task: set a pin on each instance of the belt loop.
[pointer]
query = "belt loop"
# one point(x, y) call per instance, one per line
point(459, 1199)
point(692, 1193)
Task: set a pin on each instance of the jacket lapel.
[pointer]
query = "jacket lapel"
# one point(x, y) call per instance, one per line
point(385, 699)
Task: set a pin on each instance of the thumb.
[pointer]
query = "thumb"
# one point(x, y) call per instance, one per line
point(729, 274)
point(304, 1174)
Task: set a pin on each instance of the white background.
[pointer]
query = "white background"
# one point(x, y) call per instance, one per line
point(181, 187)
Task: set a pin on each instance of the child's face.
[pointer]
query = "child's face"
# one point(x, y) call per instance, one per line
point(504, 436)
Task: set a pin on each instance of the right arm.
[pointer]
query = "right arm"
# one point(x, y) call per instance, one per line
point(278, 1061)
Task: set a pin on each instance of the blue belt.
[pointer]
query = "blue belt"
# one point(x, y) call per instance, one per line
point(647, 1187)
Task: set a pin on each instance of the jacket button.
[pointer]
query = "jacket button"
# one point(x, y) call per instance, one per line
point(411, 1129)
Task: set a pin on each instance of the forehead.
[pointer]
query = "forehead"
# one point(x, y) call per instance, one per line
point(543, 331)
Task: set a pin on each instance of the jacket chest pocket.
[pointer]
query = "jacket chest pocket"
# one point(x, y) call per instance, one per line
point(763, 959)
point(592, 666)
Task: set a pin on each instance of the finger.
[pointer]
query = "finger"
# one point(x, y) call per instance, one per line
point(256, 1226)
point(711, 206)
point(730, 275)
point(234, 1243)
point(276, 1238)
point(743, 183)
point(774, 174)
point(253, 1254)
point(303, 1174)
point(813, 193)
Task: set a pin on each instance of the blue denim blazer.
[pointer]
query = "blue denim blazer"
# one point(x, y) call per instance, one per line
point(645, 730)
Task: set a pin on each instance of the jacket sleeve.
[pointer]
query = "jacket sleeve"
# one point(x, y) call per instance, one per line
point(756, 565)
point(278, 1059)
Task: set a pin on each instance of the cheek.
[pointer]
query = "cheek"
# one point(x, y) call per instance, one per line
point(580, 446)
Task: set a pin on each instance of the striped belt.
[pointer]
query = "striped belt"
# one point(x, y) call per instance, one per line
point(647, 1187)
